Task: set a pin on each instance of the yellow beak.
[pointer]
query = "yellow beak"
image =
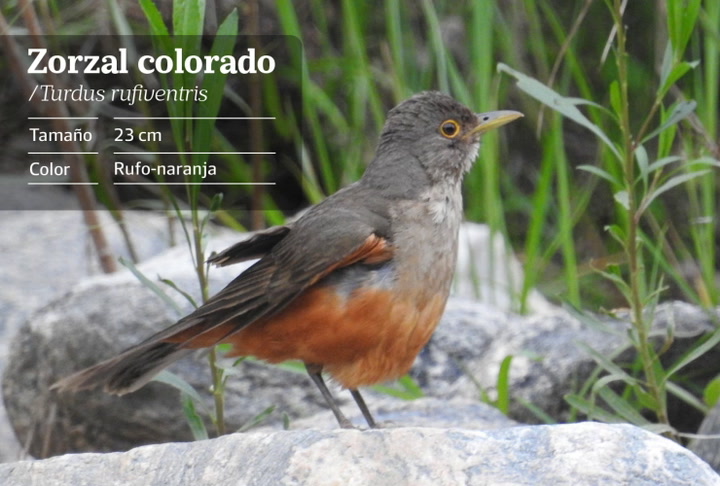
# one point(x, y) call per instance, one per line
point(494, 119)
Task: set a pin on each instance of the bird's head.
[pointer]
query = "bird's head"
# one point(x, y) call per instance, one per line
point(438, 133)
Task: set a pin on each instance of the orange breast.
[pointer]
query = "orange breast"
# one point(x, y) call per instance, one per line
point(371, 336)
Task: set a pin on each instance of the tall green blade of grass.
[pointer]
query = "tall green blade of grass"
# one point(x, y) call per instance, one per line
point(365, 95)
point(437, 46)
point(164, 44)
point(541, 203)
point(188, 19)
point(394, 27)
point(705, 226)
point(213, 84)
point(485, 202)
point(314, 104)
point(565, 221)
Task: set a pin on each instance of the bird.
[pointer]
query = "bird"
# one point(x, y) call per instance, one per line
point(356, 286)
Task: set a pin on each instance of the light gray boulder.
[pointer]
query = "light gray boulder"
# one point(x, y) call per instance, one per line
point(488, 272)
point(707, 445)
point(46, 252)
point(575, 454)
point(469, 414)
point(548, 357)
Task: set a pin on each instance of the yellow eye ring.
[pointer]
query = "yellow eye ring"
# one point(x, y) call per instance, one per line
point(449, 129)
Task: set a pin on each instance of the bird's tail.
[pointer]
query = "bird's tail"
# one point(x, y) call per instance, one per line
point(243, 301)
point(127, 371)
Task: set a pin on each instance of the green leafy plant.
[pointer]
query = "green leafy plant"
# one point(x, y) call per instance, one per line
point(192, 128)
point(638, 177)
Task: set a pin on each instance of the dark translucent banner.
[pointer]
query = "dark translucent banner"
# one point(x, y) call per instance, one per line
point(149, 123)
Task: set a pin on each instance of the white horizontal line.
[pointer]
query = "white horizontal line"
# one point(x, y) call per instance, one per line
point(62, 183)
point(194, 183)
point(194, 117)
point(193, 153)
point(62, 118)
point(62, 153)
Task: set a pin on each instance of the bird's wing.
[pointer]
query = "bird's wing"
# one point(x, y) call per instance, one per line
point(254, 247)
point(311, 250)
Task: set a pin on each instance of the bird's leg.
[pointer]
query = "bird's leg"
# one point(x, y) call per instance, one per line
point(363, 408)
point(315, 372)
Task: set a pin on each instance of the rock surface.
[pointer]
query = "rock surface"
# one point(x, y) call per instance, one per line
point(487, 272)
point(469, 414)
point(46, 253)
point(548, 355)
point(576, 454)
point(708, 448)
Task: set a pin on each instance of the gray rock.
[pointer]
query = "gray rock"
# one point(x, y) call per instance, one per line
point(450, 413)
point(102, 316)
point(576, 454)
point(488, 272)
point(548, 360)
point(48, 252)
point(708, 447)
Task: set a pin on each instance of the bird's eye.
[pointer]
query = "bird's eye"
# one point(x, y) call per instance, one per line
point(449, 128)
